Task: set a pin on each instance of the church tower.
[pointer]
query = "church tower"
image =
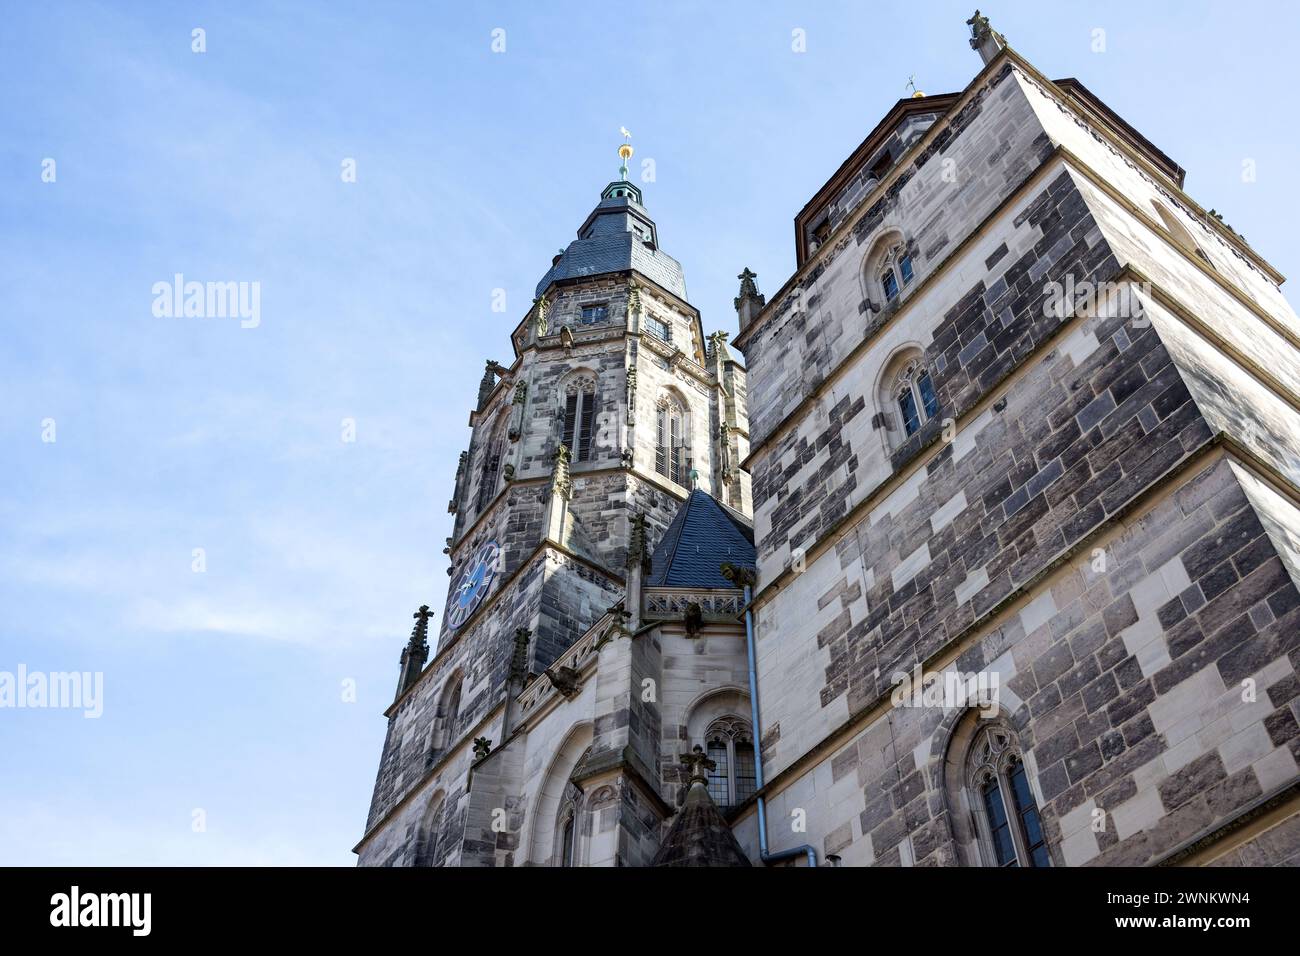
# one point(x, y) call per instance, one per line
point(1021, 585)
point(1026, 459)
point(615, 404)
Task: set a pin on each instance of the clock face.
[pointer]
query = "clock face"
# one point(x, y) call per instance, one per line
point(473, 585)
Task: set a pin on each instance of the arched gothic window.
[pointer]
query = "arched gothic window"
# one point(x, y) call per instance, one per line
point(672, 454)
point(730, 746)
point(1007, 818)
point(487, 484)
point(444, 720)
point(568, 838)
point(912, 391)
point(568, 826)
point(894, 272)
point(579, 416)
point(426, 846)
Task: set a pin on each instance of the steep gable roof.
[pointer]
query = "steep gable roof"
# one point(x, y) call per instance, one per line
point(699, 835)
point(702, 536)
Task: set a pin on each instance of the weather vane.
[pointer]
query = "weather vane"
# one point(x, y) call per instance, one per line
point(911, 85)
point(625, 151)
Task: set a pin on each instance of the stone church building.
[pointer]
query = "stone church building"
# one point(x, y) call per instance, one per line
point(1016, 581)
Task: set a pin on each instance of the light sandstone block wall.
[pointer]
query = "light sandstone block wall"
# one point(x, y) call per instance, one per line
point(1279, 845)
point(836, 454)
point(816, 325)
point(551, 748)
point(1064, 433)
point(397, 841)
point(1065, 126)
point(1126, 688)
point(704, 677)
point(503, 810)
point(1174, 275)
point(1234, 402)
point(924, 516)
point(694, 679)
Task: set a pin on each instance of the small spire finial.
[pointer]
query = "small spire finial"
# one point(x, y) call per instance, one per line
point(911, 85)
point(519, 660)
point(624, 152)
point(698, 765)
point(561, 483)
point(638, 548)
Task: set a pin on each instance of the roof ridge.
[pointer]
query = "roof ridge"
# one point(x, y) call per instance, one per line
point(683, 514)
point(744, 524)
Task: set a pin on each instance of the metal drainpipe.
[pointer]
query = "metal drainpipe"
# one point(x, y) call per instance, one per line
point(758, 754)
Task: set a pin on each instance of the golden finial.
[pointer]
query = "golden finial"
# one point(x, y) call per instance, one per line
point(625, 150)
point(911, 85)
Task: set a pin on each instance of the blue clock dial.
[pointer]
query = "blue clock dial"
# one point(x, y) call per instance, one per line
point(473, 585)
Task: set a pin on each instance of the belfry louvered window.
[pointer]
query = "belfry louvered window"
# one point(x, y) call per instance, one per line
point(487, 484)
point(671, 454)
point(579, 418)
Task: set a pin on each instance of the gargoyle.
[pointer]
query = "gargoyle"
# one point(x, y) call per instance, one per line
point(563, 679)
point(693, 618)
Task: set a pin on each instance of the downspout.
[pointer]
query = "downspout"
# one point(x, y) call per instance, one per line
point(758, 753)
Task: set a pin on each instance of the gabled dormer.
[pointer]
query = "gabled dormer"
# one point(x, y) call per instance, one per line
point(868, 166)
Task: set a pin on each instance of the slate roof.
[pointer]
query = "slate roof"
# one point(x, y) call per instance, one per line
point(606, 244)
point(699, 835)
point(702, 536)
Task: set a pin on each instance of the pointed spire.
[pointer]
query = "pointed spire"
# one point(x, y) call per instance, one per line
point(541, 307)
point(515, 682)
point(748, 288)
point(718, 346)
point(638, 545)
point(639, 564)
point(556, 521)
point(489, 381)
point(519, 660)
point(750, 302)
point(700, 835)
point(454, 503)
point(416, 652)
point(561, 483)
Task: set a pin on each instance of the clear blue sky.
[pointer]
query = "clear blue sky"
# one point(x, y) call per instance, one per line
point(223, 689)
